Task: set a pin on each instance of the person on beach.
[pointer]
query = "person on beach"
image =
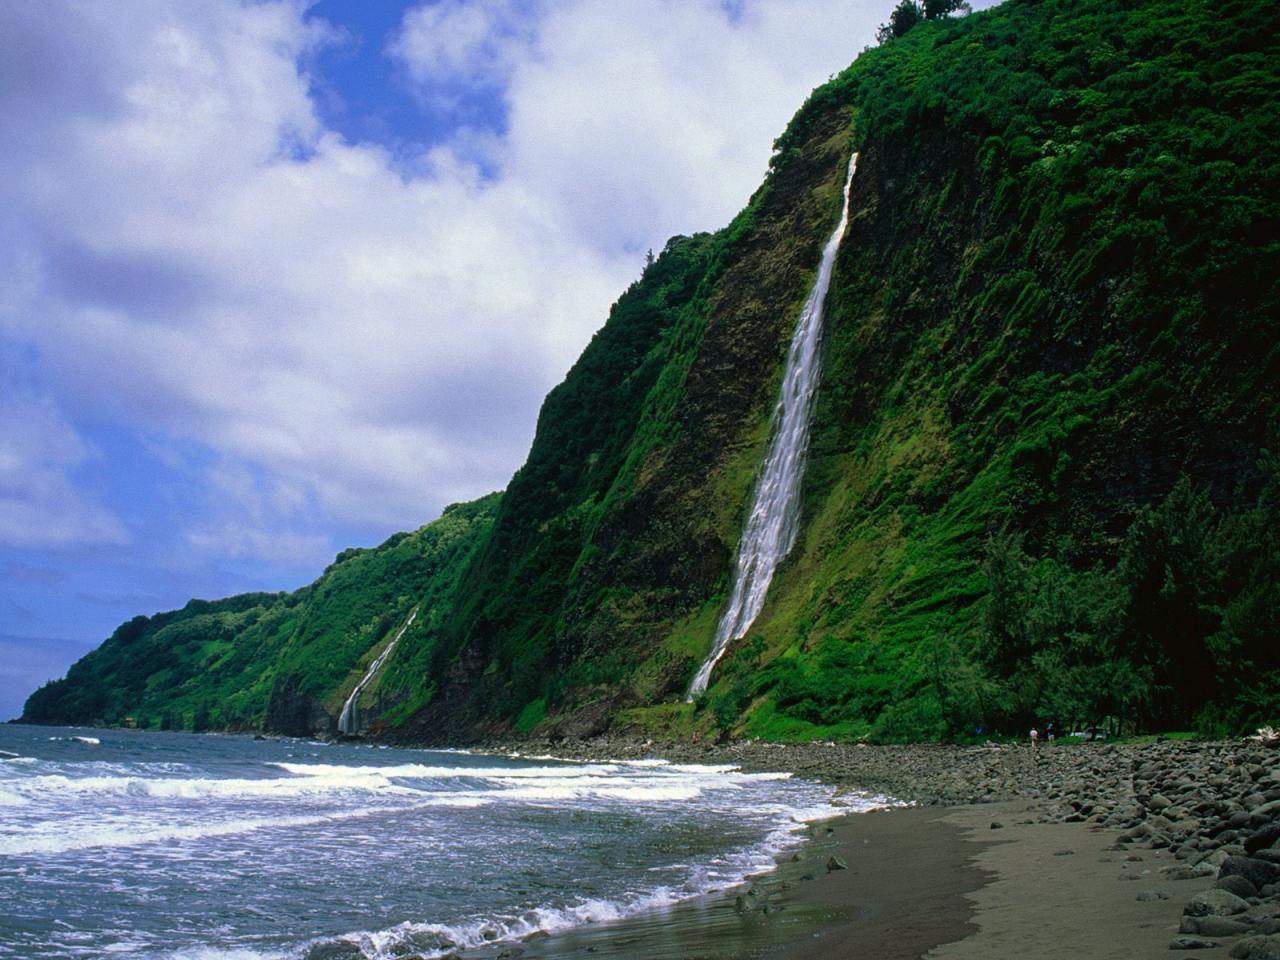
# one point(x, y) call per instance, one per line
point(1035, 735)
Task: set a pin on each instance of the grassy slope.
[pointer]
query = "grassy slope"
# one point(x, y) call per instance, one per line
point(216, 664)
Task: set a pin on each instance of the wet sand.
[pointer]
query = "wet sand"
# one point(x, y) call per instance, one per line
point(902, 893)
point(935, 882)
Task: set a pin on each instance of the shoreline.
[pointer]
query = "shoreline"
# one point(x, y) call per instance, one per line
point(1010, 851)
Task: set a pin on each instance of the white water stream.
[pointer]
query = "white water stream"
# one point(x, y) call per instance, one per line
point(349, 719)
point(775, 512)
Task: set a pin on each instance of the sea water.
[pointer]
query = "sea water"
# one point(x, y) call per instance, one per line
point(167, 845)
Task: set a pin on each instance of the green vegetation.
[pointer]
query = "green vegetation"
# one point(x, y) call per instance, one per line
point(1039, 484)
point(229, 664)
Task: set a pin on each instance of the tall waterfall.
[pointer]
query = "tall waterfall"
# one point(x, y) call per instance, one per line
point(775, 511)
point(349, 719)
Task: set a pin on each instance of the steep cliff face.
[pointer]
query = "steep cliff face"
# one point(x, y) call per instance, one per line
point(1053, 319)
point(1038, 483)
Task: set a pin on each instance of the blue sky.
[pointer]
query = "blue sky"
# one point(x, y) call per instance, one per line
point(278, 278)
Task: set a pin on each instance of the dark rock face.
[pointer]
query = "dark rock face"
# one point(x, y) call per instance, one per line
point(292, 713)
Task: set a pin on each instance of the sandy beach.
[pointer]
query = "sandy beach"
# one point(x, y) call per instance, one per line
point(1083, 853)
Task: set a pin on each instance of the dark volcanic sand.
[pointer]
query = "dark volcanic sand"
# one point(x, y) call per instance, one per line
point(902, 894)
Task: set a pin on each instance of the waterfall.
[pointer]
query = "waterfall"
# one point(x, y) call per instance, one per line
point(775, 511)
point(349, 719)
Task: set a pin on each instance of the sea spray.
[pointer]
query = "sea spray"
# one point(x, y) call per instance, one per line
point(775, 511)
point(349, 719)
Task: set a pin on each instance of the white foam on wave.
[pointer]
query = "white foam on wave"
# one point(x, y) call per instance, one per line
point(127, 831)
point(43, 787)
point(431, 940)
point(434, 940)
point(419, 771)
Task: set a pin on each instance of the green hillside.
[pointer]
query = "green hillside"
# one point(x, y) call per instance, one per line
point(281, 661)
point(1039, 483)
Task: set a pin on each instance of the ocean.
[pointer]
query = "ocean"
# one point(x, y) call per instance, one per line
point(129, 844)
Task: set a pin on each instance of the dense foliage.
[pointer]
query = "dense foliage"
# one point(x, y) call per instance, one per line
point(217, 664)
point(1040, 485)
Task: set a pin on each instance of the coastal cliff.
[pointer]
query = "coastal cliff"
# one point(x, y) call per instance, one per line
point(1038, 482)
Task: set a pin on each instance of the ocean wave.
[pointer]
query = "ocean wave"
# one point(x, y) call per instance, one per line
point(49, 786)
point(419, 771)
point(127, 831)
point(433, 940)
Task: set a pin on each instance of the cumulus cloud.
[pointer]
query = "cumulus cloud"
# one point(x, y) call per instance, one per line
point(192, 253)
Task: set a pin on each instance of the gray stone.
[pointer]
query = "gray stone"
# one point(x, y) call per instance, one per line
point(1192, 943)
point(1220, 903)
point(1261, 839)
point(1257, 871)
point(1150, 896)
point(1220, 926)
point(1238, 885)
point(1257, 948)
point(835, 863)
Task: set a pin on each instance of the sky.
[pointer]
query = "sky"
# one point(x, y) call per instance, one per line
point(278, 278)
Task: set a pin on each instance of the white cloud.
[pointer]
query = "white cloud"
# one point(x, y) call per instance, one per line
point(453, 42)
point(41, 505)
point(193, 254)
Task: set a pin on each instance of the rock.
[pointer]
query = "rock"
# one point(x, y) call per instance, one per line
point(1192, 943)
point(1063, 853)
point(1219, 926)
point(1179, 872)
point(1261, 839)
point(1159, 801)
point(1234, 883)
point(1257, 948)
point(1220, 903)
point(996, 825)
point(1257, 871)
point(835, 863)
point(1150, 896)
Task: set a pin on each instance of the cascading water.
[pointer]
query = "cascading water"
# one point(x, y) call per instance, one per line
point(349, 719)
point(775, 511)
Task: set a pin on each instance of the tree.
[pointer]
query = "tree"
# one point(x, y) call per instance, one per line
point(905, 16)
point(909, 12)
point(937, 9)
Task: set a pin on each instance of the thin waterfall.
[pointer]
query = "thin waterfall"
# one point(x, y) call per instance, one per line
point(349, 719)
point(775, 512)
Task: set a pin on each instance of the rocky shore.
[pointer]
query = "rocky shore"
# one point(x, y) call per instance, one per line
point(1212, 809)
